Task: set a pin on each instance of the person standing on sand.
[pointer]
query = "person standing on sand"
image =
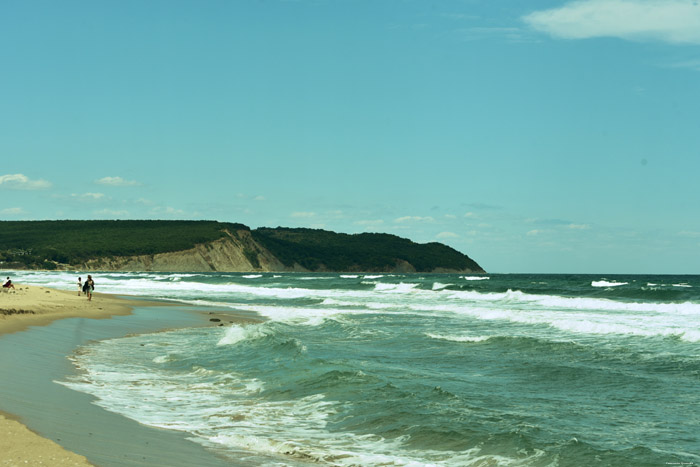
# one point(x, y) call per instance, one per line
point(89, 287)
point(80, 285)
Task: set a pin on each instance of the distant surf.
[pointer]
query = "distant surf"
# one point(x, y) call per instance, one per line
point(373, 370)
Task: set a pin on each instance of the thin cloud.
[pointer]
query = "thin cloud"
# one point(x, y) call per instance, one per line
point(483, 206)
point(167, 210)
point(22, 182)
point(369, 225)
point(672, 21)
point(443, 235)
point(303, 214)
point(116, 181)
point(11, 211)
point(479, 33)
point(88, 196)
point(693, 64)
point(578, 226)
point(404, 219)
point(112, 213)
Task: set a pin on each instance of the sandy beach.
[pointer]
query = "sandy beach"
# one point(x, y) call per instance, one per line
point(27, 306)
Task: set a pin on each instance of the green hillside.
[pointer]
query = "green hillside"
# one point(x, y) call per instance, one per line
point(51, 244)
point(314, 249)
point(37, 244)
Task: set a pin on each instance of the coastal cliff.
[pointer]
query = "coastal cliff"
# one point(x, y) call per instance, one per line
point(236, 252)
point(201, 246)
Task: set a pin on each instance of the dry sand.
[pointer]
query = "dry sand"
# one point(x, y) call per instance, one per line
point(37, 306)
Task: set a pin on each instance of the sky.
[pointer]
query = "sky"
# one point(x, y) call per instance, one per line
point(547, 136)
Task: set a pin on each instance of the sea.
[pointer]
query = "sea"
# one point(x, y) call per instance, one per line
point(410, 370)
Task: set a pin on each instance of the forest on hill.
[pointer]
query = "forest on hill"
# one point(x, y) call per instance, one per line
point(322, 249)
point(68, 244)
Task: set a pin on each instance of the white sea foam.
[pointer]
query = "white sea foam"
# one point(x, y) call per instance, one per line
point(458, 338)
point(476, 278)
point(604, 283)
point(229, 415)
point(252, 276)
point(236, 334)
point(377, 276)
point(395, 288)
point(439, 286)
point(349, 276)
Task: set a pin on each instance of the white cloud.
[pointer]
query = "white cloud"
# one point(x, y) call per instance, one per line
point(443, 235)
point(535, 232)
point(673, 21)
point(11, 211)
point(401, 220)
point(116, 181)
point(22, 182)
point(578, 226)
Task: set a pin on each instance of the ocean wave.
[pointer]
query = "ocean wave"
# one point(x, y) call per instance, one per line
point(454, 338)
point(604, 283)
point(401, 287)
point(236, 334)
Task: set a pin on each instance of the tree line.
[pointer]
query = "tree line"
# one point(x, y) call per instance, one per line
point(47, 244)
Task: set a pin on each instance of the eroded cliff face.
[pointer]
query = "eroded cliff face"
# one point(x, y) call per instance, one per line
point(237, 252)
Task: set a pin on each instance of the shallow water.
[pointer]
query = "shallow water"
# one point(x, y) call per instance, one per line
point(413, 369)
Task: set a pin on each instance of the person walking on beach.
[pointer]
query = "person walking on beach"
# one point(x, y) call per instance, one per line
point(80, 285)
point(88, 287)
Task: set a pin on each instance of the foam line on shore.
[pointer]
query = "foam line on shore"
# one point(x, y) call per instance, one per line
point(44, 420)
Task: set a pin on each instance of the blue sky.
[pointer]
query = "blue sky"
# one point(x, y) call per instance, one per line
point(540, 136)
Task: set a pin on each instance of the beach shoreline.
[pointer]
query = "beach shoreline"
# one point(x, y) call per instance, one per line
point(28, 308)
point(31, 305)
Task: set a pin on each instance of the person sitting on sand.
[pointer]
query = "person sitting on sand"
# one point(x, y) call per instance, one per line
point(8, 284)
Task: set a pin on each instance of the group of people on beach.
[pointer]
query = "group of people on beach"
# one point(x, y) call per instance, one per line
point(86, 287)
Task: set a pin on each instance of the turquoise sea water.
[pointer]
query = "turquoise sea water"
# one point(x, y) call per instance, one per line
point(532, 370)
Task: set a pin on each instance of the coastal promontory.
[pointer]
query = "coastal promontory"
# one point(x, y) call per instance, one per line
point(198, 246)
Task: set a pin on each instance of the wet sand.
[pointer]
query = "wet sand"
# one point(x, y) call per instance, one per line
point(53, 425)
